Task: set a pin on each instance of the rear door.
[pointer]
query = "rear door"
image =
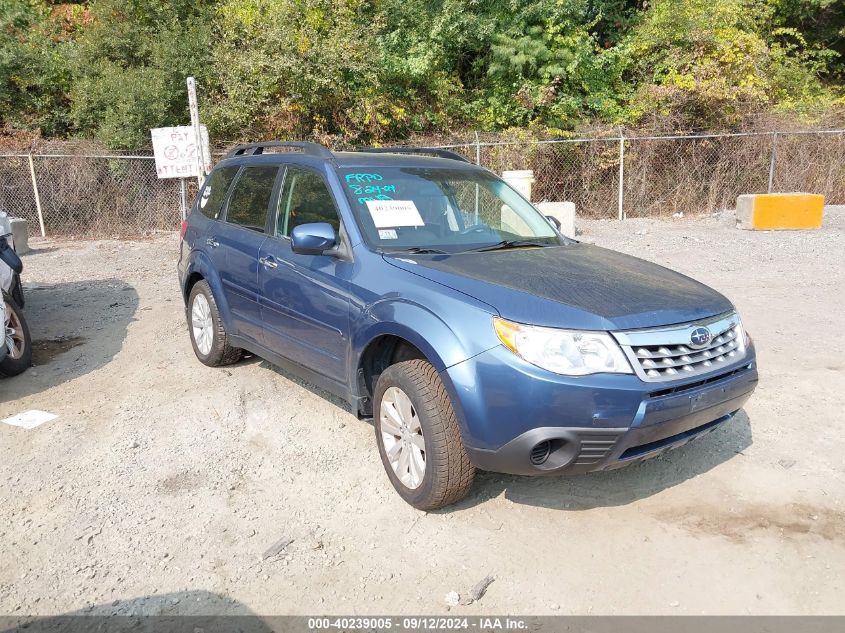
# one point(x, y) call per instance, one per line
point(205, 222)
point(305, 299)
point(238, 244)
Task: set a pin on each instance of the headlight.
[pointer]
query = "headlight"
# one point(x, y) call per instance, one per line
point(741, 336)
point(568, 352)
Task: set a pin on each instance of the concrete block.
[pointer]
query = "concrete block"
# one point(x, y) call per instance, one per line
point(779, 211)
point(565, 214)
point(20, 235)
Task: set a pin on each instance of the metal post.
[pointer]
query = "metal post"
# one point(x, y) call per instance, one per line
point(37, 197)
point(773, 162)
point(477, 149)
point(621, 175)
point(195, 122)
point(477, 162)
point(183, 199)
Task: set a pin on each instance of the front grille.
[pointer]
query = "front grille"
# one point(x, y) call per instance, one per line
point(663, 360)
point(668, 353)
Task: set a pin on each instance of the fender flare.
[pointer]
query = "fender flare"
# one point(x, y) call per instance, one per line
point(422, 328)
point(428, 332)
point(200, 264)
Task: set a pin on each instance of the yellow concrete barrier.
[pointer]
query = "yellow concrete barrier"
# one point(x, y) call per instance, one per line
point(772, 211)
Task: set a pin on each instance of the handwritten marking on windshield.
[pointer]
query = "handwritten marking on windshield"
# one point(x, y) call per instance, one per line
point(359, 189)
point(363, 177)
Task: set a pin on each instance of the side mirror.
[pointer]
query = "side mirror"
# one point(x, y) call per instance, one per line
point(554, 221)
point(312, 239)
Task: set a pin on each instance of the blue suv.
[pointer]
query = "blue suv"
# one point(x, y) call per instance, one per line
point(435, 299)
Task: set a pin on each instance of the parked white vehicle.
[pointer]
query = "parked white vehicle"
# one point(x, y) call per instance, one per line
point(16, 347)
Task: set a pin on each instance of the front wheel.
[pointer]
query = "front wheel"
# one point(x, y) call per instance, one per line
point(17, 340)
point(418, 436)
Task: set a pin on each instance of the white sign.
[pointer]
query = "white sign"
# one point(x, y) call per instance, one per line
point(30, 419)
point(175, 150)
point(393, 213)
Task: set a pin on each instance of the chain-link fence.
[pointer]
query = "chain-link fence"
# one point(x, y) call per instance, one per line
point(85, 195)
point(662, 175)
point(120, 195)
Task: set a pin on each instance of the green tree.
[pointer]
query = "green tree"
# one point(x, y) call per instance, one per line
point(821, 23)
point(299, 67)
point(493, 64)
point(548, 58)
point(364, 71)
point(710, 61)
point(130, 65)
point(34, 73)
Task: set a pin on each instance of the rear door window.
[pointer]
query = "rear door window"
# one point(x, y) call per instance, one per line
point(250, 199)
point(214, 192)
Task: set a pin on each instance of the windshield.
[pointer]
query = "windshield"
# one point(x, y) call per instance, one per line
point(449, 210)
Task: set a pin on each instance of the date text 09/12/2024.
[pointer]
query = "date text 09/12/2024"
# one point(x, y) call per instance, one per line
point(420, 623)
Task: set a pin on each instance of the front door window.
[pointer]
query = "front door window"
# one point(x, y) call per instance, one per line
point(305, 198)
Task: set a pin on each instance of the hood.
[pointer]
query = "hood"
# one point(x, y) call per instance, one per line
point(576, 286)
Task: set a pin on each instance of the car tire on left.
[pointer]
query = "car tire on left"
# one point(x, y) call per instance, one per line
point(17, 340)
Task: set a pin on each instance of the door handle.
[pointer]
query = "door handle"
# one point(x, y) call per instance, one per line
point(268, 262)
point(213, 243)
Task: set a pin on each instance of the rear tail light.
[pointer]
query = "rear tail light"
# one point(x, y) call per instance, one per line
point(183, 230)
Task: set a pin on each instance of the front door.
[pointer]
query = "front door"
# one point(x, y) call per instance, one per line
point(239, 242)
point(304, 298)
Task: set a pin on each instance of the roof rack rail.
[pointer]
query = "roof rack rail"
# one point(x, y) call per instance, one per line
point(253, 149)
point(434, 151)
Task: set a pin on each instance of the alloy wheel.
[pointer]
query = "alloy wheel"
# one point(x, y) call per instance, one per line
point(15, 340)
point(402, 437)
point(202, 324)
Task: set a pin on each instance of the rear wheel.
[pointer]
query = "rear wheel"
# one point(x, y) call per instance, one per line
point(418, 436)
point(208, 334)
point(17, 340)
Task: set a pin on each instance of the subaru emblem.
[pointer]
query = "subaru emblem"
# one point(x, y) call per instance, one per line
point(700, 337)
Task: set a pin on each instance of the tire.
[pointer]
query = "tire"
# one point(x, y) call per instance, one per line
point(209, 339)
point(19, 343)
point(447, 472)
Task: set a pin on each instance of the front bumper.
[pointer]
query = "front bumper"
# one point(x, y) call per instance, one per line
point(509, 408)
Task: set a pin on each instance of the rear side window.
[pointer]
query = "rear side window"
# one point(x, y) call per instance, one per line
point(305, 198)
point(251, 198)
point(214, 192)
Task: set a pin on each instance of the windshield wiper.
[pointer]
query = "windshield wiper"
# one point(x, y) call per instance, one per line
point(420, 250)
point(505, 244)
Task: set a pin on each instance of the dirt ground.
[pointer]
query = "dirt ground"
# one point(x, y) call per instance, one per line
point(162, 484)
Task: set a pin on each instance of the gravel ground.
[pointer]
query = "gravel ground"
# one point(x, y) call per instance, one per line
point(168, 487)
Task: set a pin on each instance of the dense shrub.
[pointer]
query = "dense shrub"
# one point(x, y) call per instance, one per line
point(365, 71)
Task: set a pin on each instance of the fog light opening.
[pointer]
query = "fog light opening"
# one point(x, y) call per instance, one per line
point(540, 453)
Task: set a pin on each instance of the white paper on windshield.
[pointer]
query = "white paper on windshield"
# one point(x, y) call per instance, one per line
point(393, 213)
